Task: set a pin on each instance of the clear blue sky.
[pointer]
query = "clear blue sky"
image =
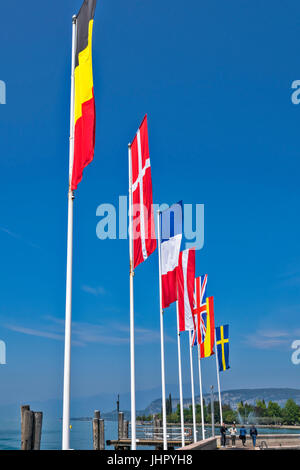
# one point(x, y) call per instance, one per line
point(215, 79)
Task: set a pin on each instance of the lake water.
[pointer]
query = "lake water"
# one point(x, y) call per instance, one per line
point(81, 434)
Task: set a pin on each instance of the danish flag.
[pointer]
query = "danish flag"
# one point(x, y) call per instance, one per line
point(199, 311)
point(143, 226)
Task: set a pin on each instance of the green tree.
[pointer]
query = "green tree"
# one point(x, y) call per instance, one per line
point(169, 407)
point(291, 412)
point(229, 415)
point(260, 409)
point(274, 410)
point(170, 404)
point(188, 414)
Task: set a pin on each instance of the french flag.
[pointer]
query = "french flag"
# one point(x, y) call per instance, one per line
point(185, 283)
point(171, 235)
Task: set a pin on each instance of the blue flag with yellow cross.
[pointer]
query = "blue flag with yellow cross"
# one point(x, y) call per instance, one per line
point(222, 341)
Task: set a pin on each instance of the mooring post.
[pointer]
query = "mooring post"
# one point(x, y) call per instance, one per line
point(96, 430)
point(31, 428)
point(120, 425)
point(155, 426)
point(26, 431)
point(23, 409)
point(101, 432)
point(126, 429)
point(37, 430)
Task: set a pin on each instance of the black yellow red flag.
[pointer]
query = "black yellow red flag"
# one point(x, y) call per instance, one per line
point(84, 102)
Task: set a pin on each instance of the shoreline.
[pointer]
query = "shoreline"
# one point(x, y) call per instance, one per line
point(238, 425)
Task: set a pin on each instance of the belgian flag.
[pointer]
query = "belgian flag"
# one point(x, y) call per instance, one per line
point(84, 102)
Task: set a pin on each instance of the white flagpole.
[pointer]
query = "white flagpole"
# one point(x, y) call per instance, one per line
point(180, 379)
point(201, 395)
point(68, 320)
point(192, 386)
point(218, 377)
point(163, 380)
point(131, 274)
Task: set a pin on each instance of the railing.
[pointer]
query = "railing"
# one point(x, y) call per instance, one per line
point(150, 432)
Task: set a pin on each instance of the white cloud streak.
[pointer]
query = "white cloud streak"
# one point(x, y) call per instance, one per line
point(18, 237)
point(270, 339)
point(88, 333)
point(96, 291)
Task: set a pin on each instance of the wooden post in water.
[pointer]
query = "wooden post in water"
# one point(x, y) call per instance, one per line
point(37, 430)
point(96, 430)
point(26, 431)
point(23, 409)
point(155, 425)
point(101, 432)
point(120, 425)
point(126, 429)
point(31, 428)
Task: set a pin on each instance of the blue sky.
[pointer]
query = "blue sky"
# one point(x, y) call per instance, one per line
point(215, 79)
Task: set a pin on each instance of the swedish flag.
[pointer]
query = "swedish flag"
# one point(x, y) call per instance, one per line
point(222, 341)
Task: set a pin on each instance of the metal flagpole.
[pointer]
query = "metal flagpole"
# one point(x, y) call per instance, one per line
point(201, 395)
point(131, 274)
point(212, 410)
point(218, 377)
point(192, 386)
point(180, 379)
point(68, 320)
point(163, 380)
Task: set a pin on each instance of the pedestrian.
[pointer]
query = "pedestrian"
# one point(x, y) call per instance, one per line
point(243, 432)
point(253, 434)
point(223, 435)
point(233, 433)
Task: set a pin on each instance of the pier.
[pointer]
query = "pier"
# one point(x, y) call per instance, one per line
point(149, 434)
point(264, 442)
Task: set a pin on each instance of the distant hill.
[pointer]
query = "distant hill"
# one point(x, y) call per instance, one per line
point(85, 406)
point(279, 395)
point(146, 402)
point(233, 397)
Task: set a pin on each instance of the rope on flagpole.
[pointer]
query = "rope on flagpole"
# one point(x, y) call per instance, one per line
point(131, 275)
point(162, 351)
point(180, 379)
point(192, 387)
point(218, 378)
point(201, 394)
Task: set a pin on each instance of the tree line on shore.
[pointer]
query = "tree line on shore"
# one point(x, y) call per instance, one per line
point(260, 413)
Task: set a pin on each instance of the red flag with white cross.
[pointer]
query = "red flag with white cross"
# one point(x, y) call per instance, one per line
point(143, 226)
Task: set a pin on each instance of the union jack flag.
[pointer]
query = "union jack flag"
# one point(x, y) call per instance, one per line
point(199, 311)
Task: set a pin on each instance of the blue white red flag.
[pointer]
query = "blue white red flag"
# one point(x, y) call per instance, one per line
point(171, 235)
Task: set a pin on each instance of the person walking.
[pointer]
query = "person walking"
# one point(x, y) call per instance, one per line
point(233, 433)
point(243, 433)
point(223, 435)
point(253, 434)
